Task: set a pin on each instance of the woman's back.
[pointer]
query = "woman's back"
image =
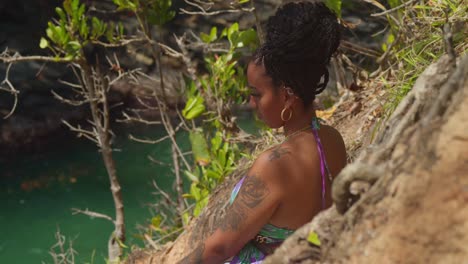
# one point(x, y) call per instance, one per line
point(298, 163)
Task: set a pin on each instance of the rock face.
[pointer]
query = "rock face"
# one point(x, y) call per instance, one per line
point(417, 210)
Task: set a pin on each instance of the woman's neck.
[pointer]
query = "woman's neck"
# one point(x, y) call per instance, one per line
point(299, 122)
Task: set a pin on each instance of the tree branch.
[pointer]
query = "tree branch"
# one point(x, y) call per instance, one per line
point(92, 214)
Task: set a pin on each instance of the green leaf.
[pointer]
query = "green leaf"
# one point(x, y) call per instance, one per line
point(335, 6)
point(191, 176)
point(67, 6)
point(232, 33)
point(313, 238)
point(84, 29)
point(216, 141)
point(247, 38)
point(156, 221)
point(195, 191)
point(121, 244)
point(61, 13)
point(185, 218)
point(199, 148)
point(43, 43)
point(211, 37)
point(194, 107)
point(200, 205)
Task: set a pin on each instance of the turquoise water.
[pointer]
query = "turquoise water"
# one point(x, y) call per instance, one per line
point(38, 191)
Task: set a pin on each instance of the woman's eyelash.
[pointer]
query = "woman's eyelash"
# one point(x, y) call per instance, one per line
point(254, 94)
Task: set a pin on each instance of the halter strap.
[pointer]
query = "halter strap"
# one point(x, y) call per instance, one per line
point(323, 162)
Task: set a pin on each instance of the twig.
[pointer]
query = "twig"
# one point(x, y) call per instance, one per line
point(121, 43)
point(170, 234)
point(157, 161)
point(73, 85)
point(163, 193)
point(16, 58)
point(204, 11)
point(179, 182)
point(257, 22)
point(147, 141)
point(139, 119)
point(68, 101)
point(170, 51)
point(11, 90)
point(151, 242)
point(354, 47)
point(393, 9)
point(91, 135)
point(92, 214)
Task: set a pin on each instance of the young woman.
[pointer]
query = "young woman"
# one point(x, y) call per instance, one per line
point(290, 183)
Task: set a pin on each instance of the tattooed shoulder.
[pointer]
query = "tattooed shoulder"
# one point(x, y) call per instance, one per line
point(277, 153)
point(252, 193)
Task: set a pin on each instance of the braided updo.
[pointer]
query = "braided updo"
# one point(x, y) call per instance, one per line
point(300, 40)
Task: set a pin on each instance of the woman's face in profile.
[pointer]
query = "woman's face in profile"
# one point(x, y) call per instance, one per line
point(264, 98)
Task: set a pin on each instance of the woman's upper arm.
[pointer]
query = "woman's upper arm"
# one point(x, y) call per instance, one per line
point(257, 200)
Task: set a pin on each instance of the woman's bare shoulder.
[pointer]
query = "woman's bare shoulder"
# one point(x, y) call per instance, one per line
point(271, 162)
point(333, 134)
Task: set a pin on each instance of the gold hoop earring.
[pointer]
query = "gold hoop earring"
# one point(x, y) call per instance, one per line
point(290, 114)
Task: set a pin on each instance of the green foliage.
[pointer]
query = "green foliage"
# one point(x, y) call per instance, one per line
point(418, 44)
point(73, 30)
point(224, 86)
point(155, 12)
point(220, 159)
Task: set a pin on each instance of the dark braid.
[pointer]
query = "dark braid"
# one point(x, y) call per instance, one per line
point(300, 40)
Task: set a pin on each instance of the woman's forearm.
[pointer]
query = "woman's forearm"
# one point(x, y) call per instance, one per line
point(203, 254)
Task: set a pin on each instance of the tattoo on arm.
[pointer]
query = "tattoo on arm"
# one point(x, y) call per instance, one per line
point(251, 194)
point(196, 256)
point(276, 153)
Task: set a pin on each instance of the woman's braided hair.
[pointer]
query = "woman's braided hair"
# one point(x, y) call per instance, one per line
point(300, 40)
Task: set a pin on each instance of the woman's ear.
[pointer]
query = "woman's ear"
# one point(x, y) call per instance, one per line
point(290, 97)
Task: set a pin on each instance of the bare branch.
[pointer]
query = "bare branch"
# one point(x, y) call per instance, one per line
point(92, 214)
point(91, 135)
point(164, 194)
point(73, 85)
point(393, 9)
point(138, 119)
point(157, 161)
point(68, 101)
point(170, 51)
point(5, 57)
point(147, 141)
point(11, 89)
point(151, 242)
point(356, 48)
point(205, 12)
point(121, 43)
